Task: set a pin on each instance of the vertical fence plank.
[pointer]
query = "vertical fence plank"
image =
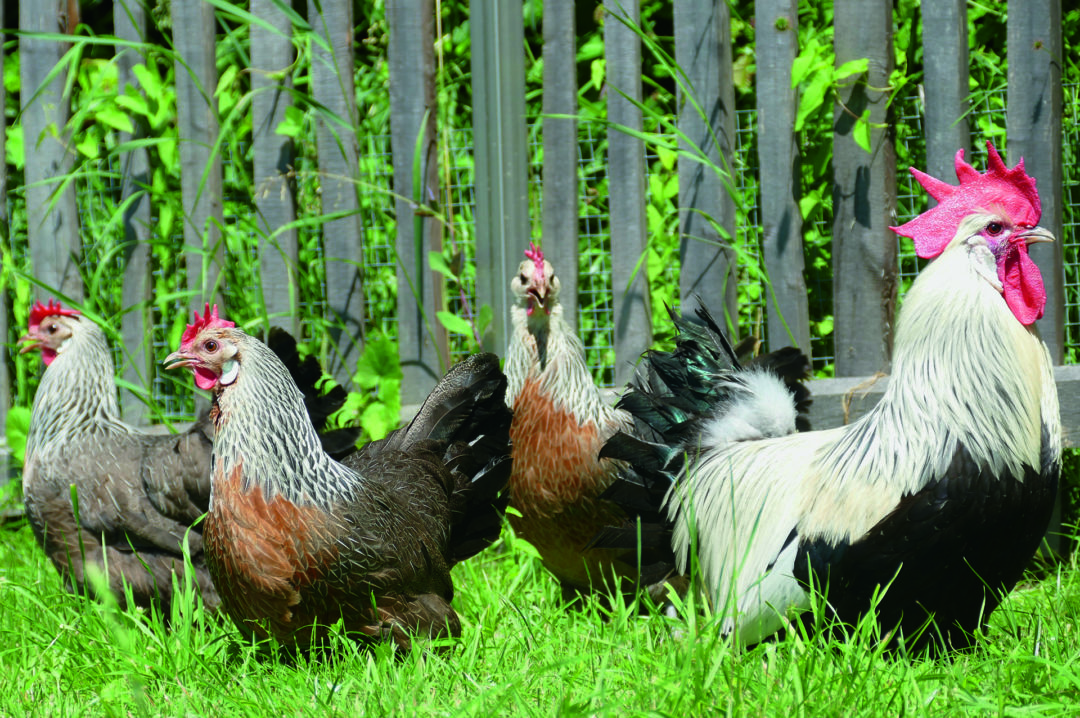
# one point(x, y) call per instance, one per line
point(945, 84)
point(129, 22)
point(422, 345)
point(5, 237)
point(707, 123)
point(1033, 123)
point(864, 194)
point(52, 223)
point(777, 44)
point(560, 220)
point(200, 169)
point(502, 211)
point(343, 242)
point(275, 189)
point(626, 187)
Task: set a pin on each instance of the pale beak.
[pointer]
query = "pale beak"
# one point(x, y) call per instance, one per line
point(178, 360)
point(33, 343)
point(1036, 234)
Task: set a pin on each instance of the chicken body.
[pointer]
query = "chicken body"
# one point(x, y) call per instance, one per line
point(137, 493)
point(296, 541)
point(938, 496)
point(561, 421)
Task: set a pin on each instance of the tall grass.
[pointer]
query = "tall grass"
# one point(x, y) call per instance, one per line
point(521, 653)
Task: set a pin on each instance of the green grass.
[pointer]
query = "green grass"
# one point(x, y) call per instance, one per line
point(521, 654)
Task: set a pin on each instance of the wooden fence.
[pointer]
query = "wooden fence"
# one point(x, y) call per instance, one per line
point(864, 195)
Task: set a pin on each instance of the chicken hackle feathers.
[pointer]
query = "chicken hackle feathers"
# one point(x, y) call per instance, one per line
point(296, 541)
point(139, 492)
point(937, 497)
point(561, 420)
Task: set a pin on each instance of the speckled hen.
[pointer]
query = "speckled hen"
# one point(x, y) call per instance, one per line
point(296, 541)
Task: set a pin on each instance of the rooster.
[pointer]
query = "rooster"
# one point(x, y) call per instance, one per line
point(296, 541)
point(138, 493)
point(932, 503)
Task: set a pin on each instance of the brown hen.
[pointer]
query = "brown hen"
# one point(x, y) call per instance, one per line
point(296, 541)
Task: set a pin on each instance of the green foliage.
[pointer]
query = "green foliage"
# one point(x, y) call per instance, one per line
point(378, 373)
point(17, 428)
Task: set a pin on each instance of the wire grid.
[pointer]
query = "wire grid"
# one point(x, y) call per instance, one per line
point(595, 290)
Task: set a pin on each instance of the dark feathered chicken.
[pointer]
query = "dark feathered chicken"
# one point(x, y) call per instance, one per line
point(295, 539)
point(138, 493)
point(936, 499)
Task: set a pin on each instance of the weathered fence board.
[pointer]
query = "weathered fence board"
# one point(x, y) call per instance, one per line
point(274, 158)
point(777, 44)
point(52, 221)
point(626, 187)
point(422, 345)
point(560, 173)
point(707, 129)
point(1033, 122)
point(864, 193)
point(200, 166)
point(129, 22)
point(945, 85)
point(5, 380)
point(343, 243)
point(501, 159)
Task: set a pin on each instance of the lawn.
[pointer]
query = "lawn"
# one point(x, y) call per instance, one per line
point(522, 653)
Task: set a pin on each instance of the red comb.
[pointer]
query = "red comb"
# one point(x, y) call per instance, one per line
point(1011, 190)
point(537, 256)
point(209, 319)
point(53, 309)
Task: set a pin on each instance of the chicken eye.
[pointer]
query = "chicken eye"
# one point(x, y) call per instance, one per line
point(51, 329)
point(211, 346)
point(995, 228)
point(523, 278)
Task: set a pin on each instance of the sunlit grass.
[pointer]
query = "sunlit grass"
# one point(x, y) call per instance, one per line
point(521, 654)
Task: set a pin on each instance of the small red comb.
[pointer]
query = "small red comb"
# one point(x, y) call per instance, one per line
point(1012, 190)
point(53, 309)
point(209, 319)
point(537, 256)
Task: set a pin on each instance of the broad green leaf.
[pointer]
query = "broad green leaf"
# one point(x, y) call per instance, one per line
point(454, 323)
point(18, 425)
point(293, 124)
point(438, 264)
point(14, 147)
point(114, 118)
point(597, 69)
point(852, 67)
point(861, 131)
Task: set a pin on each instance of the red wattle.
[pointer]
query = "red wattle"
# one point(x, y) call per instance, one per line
point(204, 379)
point(1024, 290)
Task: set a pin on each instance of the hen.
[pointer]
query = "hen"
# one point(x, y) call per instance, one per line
point(138, 492)
point(296, 541)
point(561, 420)
point(936, 499)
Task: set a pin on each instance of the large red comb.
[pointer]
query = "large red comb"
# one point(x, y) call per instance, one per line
point(999, 188)
point(537, 256)
point(40, 311)
point(209, 319)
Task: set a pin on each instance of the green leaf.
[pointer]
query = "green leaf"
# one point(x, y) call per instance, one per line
point(597, 68)
point(666, 157)
point(852, 67)
point(134, 103)
point(378, 420)
point(18, 426)
point(438, 264)
point(484, 317)
point(14, 148)
point(148, 79)
point(811, 98)
point(114, 118)
point(378, 364)
point(293, 124)
point(454, 323)
point(861, 132)
point(90, 144)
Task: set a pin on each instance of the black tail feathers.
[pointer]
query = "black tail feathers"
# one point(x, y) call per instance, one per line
point(466, 414)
